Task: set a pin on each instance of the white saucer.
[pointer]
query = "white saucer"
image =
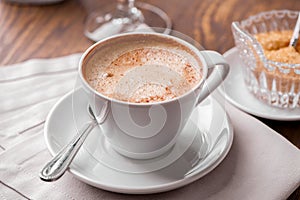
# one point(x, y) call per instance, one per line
point(237, 93)
point(201, 146)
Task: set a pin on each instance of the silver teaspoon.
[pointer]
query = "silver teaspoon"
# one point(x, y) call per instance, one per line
point(295, 37)
point(54, 169)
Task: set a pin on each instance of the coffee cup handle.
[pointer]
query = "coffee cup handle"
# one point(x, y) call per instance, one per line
point(218, 69)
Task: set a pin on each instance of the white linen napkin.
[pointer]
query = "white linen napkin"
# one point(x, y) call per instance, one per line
point(260, 165)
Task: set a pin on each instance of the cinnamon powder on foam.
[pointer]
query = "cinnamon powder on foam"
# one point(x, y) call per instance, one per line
point(107, 78)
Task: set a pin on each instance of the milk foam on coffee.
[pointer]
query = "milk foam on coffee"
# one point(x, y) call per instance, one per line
point(143, 68)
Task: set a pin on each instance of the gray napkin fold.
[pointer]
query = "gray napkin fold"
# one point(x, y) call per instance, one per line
point(260, 165)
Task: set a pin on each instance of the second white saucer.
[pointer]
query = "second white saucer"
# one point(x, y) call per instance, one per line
point(236, 92)
point(202, 145)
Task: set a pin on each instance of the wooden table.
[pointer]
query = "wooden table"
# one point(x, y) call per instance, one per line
point(56, 30)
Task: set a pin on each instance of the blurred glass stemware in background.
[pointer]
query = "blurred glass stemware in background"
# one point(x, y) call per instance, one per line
point(126, 16)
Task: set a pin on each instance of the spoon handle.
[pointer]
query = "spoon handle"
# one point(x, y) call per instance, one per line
point(295, 37)
point(54, 169)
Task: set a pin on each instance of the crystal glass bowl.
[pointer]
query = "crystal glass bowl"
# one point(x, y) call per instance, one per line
point(276, 83)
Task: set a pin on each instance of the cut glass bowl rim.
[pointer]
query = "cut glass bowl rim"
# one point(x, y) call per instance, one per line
point(270, 65)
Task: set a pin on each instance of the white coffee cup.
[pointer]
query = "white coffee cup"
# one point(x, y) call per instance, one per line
point(147, 130)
